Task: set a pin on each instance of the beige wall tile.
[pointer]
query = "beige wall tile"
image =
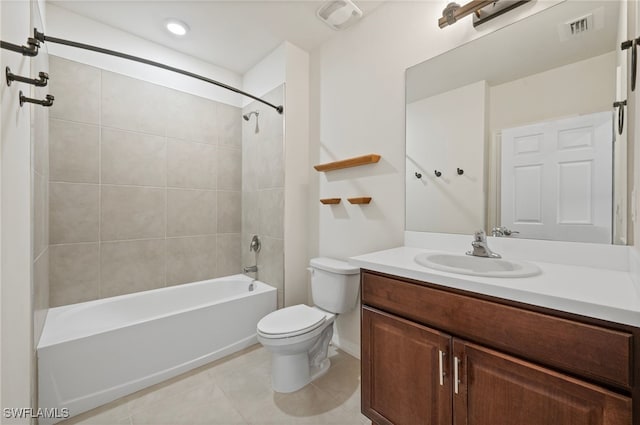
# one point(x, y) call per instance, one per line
point(131, 104)
point(229, 255)
point(191, 118)
point(230, 123)
point(133, 158)
point(229, 212)
point(247, 258)
point(250, 160)
point(191, 212)
point(73, 213)
point(73, 273)
point(270, 168)
point(131, 266)
point(74, 152)
point(132, 213)
point(271, 262)
point(271, 216)
point(250, 212)
point(191, 259)
point(191, 165)
point(77, 90)
point(229, 169)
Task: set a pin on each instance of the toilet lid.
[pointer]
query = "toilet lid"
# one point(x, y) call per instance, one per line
point(291, 321)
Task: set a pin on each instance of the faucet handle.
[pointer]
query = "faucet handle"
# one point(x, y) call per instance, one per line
point(480, 236)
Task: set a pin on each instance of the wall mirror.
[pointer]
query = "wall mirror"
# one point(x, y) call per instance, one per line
point(516, 131)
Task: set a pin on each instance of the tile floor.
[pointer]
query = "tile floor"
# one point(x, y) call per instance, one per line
point(237, 390)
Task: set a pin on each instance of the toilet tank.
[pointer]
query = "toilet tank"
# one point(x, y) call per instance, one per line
point(334, 284)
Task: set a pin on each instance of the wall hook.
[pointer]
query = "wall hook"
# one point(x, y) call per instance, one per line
point(460, 171)
point(633, 45)
point(48, 101)
point(620, 105)
point(438, 173)
point(418, 175)
point(39, 82)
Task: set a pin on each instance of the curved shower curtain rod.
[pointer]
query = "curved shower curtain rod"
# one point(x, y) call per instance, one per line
point(41, 37)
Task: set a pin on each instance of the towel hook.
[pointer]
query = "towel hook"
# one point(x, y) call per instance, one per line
point(48, 101)
point(38, 82)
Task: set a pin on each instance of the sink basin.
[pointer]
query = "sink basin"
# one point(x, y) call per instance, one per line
point(477, 266)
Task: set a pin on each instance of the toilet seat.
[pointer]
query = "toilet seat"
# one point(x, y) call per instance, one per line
point(291, 321)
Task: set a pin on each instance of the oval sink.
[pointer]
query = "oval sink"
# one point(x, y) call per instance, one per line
point(477, 266)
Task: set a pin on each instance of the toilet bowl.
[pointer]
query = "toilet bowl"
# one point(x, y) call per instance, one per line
point(298, 336)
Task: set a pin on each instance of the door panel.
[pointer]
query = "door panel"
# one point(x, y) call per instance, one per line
point(401, 371)
point(499, 389)
point(557, 179)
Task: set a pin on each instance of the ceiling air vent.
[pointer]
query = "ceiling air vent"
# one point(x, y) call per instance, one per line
point(581, 25)
point(577, 27)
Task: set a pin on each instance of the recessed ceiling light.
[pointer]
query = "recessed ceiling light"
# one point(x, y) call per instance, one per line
point(176, 27)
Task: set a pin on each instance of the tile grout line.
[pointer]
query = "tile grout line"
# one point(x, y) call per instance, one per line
point(100, 290)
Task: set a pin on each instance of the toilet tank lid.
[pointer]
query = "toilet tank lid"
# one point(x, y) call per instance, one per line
point(333, 265)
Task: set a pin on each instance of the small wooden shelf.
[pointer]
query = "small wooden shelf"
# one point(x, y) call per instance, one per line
point(346, 163)
point(330, 201)
point(360, 200)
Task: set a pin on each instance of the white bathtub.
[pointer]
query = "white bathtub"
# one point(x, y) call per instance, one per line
point(95, 352)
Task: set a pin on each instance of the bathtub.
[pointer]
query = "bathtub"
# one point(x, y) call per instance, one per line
point(95, 352)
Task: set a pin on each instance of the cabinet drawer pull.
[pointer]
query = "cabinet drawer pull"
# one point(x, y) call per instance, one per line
point(456, 374)
point(441, 355)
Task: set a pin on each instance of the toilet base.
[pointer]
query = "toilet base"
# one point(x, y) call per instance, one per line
point(292, 371)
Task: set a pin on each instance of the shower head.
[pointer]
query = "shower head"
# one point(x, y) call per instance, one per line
point(247, 116)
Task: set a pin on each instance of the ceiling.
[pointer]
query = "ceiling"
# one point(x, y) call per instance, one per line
point(232, 34)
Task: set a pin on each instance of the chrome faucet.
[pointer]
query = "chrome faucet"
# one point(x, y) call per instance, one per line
point(502, 231)
point(250, 269)
point(480, 247)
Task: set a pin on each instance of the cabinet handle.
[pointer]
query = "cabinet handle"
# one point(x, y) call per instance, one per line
point(456, 374)
point(441, 355)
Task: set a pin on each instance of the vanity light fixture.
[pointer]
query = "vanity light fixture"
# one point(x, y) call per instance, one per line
point(176, 27)
point(483, 10)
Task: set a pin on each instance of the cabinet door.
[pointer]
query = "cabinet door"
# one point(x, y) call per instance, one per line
point(495, 388)
point(405, 379)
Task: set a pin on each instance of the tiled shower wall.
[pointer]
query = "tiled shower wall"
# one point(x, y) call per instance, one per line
point(145, 185)
point(263, 190)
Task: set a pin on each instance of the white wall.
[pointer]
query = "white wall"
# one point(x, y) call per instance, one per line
point(553, 94)
point(62, 23)
point(446, 132)
point(357, 89)
point(267, 74)
point(15, 219)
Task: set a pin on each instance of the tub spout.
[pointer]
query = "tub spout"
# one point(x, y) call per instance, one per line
point(250, 269)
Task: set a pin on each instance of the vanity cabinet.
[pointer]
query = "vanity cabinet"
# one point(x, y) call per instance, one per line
point(437, 356)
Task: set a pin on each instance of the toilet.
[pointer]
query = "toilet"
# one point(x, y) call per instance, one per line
point(298, 336)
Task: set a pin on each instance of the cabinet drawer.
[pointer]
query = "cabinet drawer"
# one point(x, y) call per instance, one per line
point(590, 351)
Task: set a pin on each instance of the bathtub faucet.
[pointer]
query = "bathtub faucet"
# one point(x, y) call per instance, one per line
point(251, 269)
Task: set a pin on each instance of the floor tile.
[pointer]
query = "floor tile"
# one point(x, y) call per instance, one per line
point(237, 390)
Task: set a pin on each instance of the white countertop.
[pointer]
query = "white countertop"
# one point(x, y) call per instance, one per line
point(593, 292)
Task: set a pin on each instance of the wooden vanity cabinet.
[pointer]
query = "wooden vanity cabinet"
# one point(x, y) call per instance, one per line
point(414, 372)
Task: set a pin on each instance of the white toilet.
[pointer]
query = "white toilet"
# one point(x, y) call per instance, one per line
point(298, 336)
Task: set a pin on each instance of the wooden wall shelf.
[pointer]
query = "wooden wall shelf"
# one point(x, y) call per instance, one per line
point(346, 163)
point(330, 201)
point(360, 200)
